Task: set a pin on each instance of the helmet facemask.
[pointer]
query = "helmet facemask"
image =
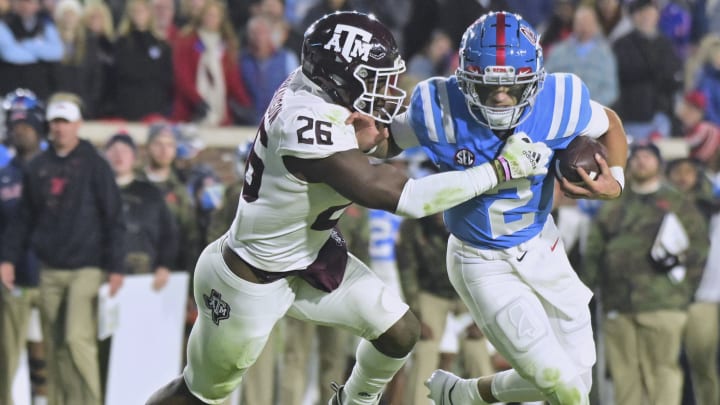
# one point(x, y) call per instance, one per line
point(381, 97)
point(479, 87)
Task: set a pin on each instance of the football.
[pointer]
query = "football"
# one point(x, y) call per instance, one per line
point(580, 152)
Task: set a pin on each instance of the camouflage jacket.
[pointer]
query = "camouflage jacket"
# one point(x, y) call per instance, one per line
point(421, 250)
point(617, 260)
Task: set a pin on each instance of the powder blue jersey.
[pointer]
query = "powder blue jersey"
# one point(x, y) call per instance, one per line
point(384, 229)
point(515, 211)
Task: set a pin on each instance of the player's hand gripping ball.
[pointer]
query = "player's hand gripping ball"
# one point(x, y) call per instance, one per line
point(579, 153)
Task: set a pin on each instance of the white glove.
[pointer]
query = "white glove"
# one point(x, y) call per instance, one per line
point(520, 157)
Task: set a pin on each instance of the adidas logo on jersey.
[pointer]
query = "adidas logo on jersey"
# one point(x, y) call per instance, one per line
point(357, 42)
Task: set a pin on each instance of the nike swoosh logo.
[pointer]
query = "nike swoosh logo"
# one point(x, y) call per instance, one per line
point(554, 245)
point(520, 258)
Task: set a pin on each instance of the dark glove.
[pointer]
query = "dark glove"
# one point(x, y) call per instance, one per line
point(200, 111)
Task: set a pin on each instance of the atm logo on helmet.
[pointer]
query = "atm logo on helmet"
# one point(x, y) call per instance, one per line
point(357, 42)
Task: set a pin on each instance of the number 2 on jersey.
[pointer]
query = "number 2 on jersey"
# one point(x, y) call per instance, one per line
point(498, 208)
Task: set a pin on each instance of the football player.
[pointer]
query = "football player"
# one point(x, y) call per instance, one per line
point(505, 257)
point(282, 254)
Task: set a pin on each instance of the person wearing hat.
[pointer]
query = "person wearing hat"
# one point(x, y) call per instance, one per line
point(26, 129)
point(645, 286)
point(70, 214)
point(702, 136)
point(151, 240)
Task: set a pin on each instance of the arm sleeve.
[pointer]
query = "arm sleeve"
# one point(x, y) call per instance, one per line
point(438, 192)
point(402, 132)
point(11, 50)
point(598, 123)
point(49, 47)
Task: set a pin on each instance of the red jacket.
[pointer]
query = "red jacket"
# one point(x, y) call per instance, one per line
point(186, 58)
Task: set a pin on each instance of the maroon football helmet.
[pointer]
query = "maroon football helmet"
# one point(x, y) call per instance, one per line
point(353, 57)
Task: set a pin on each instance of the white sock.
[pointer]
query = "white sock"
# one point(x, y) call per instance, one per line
point(466, 392)
point(372, 372)
point(508, 386)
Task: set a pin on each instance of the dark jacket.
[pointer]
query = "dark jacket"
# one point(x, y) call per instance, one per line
point(27, 269)
point(649, 72)
point(142, 76)
point(152, 236)
point(70, 212)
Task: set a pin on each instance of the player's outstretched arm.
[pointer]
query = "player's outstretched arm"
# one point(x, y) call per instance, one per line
point(610, 182)
point(384, 187)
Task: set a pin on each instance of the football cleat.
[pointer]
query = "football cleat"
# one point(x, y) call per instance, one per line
point(338, 397)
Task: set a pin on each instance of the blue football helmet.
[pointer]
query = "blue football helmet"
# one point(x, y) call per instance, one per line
point(500, 49)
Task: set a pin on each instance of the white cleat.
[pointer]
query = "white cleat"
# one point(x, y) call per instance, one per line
point(441, 384)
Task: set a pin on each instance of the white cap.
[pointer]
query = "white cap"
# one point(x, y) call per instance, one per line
point(66, 110)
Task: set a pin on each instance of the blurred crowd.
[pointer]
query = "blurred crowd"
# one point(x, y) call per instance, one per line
point(179, 65)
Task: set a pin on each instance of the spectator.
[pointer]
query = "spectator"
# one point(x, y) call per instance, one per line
point(188, 11)
point(152, 236)
point(323, 7)
point(276, 11)
point(535, 12)
point(559, 26)
point(455, 16)
point(587, 54)
point(434, 60)
point(143, 70)
point(649, 73)
point(164, 13)
point(703, 137)
point(643, 288)
point(161, 153)
point(265, 63)
point(675, 23)
point(701, 332)
point(101, 31)
point(613, 20)
point(81, 70)
point(26, 129)
point(29, 47)
point(208, 88)
point(70, 214)
point(708, 80)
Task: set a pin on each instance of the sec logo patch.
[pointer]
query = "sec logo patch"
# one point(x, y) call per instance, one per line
point(464, 157)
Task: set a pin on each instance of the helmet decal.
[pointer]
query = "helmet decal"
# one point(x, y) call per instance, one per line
point(357, 42)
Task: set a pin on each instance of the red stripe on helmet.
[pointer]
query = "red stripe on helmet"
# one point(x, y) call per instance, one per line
point(500, 37)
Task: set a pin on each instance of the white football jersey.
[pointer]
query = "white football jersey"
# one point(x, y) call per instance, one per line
point(281, 221)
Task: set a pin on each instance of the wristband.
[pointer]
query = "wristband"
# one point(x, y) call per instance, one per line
point(618, 174)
